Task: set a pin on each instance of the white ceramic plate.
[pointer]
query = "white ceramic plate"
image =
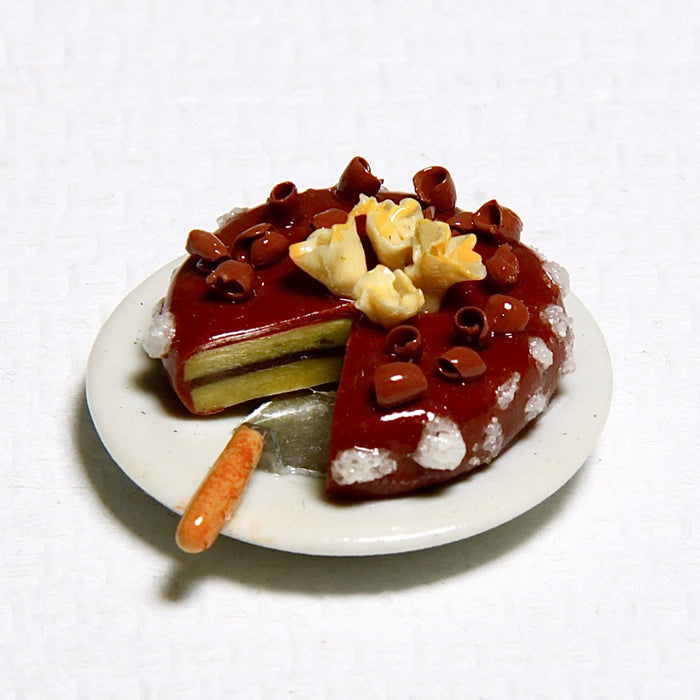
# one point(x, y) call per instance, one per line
point(167, 452)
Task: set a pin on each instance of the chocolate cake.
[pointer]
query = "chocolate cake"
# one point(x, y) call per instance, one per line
point(445, 333)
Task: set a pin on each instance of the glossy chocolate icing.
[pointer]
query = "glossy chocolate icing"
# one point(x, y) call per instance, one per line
point(496, 327)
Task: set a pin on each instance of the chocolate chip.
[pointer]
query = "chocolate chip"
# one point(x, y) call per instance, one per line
point(460, 364)
point(434, 185)
point(232, 279)
point(396, 383)
point(206, 245)
point(497, 220)
point(470, 326)
point(404, 343)
point(506, 314)
point(357, 179)
point(268, 249)
point(503, 267)
point(329, 217)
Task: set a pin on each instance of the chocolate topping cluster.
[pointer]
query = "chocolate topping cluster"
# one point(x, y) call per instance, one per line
point(231, 271)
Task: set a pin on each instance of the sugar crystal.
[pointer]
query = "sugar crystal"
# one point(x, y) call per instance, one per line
point(161, 332)
point(569, 364)
point(535, 405)
point(556, 317)
point(558, 275)
point(493, 440)
point(362, 464)
point(540, 353)
point(441, 445)
point(505, 393)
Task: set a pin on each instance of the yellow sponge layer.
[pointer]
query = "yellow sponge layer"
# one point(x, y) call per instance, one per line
point(301, 374)
point(310, 338)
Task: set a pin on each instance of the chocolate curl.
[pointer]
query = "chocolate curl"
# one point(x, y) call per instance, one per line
point(206, 245)
point(497, 220)
point(503, 267)
point(429, 212)
point(268, 249)
point(260, 245)
point(460, 363)
point(462, 220)
point(284, 205)
point(232, 279)
point(357, 179)
point(470, 326)
point(434, 186)
point(329, 217)
point(404, 343)
point(506, 314)
point(396, 383)
point(240, 250)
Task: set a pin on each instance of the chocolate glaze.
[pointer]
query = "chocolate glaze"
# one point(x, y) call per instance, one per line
point(284, 297)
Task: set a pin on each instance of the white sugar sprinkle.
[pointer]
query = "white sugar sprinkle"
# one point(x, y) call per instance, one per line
point(556, 317)
point(359, 465)
point(558, 275)
point(441, 445)
point(569, 364)
point(540, 353)
point(161, 332)
point(535, 405)
point(493, 440)
point(505, 393)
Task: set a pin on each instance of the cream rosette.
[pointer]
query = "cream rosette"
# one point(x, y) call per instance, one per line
point(387, 297)
point(441, 260)
point(390, 228)
point(334, 256)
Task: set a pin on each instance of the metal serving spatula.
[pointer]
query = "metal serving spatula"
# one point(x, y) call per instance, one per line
point(297, 430)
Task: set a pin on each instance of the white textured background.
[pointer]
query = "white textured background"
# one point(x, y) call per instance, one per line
point(124, 125)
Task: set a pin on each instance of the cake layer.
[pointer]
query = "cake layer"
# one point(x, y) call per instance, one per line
point(248, 355)
point(290, 376)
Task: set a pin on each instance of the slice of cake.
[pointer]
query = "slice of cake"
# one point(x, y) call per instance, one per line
point(445, 333)
point(478, 371)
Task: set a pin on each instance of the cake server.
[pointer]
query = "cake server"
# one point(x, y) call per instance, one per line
point(297, 430)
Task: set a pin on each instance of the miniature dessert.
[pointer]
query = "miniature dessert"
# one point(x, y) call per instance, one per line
point(446, 334)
